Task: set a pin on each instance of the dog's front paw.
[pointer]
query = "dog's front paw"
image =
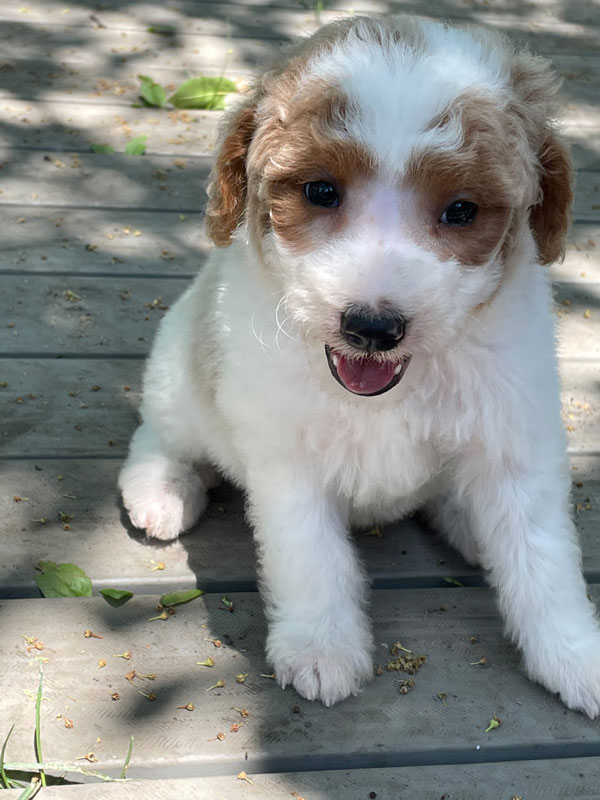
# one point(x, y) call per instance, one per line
point(575, 677)
point(320, 670)
point(165, 509)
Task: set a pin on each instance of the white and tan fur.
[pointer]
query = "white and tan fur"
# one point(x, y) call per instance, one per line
point(406, 115)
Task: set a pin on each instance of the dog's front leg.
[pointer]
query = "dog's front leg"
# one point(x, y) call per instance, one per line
point(520, 518)
point(313, 585)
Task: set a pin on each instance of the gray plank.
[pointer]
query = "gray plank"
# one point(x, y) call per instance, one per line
point(92, 75)
point(41, 417)
point(113, 242)
point(283, 732)
point(53, 240)
point(245, 35)
point(567, 779)
point(151, 182)
point(99, 181)
point(234, 18)
point(84, 315)
point(73, 126)
point(218, 553)
point(106, 315)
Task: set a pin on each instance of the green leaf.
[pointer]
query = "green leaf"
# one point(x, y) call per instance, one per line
point(152, 93)
point(62, 580)
point(176, 598)
point(102, 149)
point(204, 92)
point(137, 146)
point(116, 597)
point(452, 582)
point(162, 30)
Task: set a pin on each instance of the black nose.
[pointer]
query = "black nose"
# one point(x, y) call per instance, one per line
point(370, 332)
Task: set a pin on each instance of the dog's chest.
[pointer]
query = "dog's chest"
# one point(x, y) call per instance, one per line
point(370, 457)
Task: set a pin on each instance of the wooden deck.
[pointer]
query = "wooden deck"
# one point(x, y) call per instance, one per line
point(93, 248)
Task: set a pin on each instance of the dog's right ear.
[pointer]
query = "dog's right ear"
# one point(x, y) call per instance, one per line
point(227, 188)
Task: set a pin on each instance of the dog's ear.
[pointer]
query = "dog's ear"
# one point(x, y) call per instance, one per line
point(551, 216)
point(536, 86)
point(227, 189)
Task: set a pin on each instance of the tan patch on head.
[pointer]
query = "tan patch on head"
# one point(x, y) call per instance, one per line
point(311, 146)
point(484, 170)
point(275, 109)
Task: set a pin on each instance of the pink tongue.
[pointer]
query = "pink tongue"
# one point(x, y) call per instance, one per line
point(364, 375)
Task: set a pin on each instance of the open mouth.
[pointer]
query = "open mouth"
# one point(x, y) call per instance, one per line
point(366, 375)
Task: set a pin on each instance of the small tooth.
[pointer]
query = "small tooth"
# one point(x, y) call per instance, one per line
point(335, 360)
point(398, 369)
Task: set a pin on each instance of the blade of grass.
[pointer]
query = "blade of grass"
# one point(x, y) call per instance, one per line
point(127, 758)
point(30, 791)
point(38, 732)
point(58, 766)
point(3, 775)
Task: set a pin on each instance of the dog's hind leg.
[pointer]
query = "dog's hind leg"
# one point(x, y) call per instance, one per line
point(163, 495)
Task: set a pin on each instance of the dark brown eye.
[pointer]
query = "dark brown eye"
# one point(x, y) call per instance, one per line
point(459, 214)
point(321, 193)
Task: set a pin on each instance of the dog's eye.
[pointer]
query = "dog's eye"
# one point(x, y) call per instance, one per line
point(460, 213)
point(321, 193)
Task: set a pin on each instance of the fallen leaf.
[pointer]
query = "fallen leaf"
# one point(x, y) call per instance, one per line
point(62, 580)
point(116, 597)
point(151, 93)
point(102, 149)
point(203, 92)
point(137, 146)
point(177, 598)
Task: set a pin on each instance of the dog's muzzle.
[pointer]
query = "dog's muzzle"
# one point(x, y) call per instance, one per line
point(369, 334)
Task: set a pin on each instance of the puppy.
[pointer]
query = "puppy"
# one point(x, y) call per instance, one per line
point(374, 336)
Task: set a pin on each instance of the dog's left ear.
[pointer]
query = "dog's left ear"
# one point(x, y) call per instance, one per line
point(551, 216)
point(227, 188)
point(536, 85)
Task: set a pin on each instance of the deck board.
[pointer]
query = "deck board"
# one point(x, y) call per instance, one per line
point(112, 316)
point(563, 779)
point(52, 240)
point(218, 552)
point(50, 407)
point(378, 728)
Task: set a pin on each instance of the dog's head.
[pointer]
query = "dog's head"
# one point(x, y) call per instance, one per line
point(386, 173)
